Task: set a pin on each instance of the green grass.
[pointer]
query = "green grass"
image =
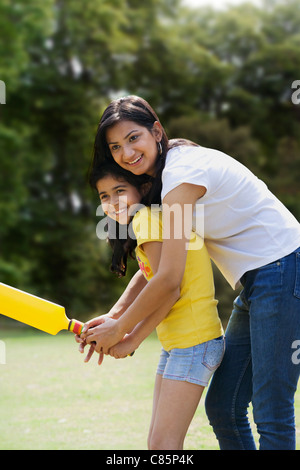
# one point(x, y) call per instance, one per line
point(51, 399)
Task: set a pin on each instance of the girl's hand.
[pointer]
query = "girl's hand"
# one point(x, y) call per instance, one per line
point(123, 349)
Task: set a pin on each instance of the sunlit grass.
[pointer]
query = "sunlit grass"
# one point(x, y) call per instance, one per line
point(51, 399)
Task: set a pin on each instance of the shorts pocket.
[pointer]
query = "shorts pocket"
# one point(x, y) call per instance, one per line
point(297, 277)
point(214, 352)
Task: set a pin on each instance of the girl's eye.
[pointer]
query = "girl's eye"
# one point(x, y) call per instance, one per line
point(114, 148)
point(103, 198)
point(133, 137)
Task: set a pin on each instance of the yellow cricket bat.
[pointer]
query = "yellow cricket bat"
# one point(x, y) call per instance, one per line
point(36, 312)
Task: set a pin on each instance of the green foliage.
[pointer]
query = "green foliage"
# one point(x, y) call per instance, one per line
point(221, 78)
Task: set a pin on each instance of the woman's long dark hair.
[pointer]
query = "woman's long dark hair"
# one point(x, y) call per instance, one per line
point(136, 109)
point(122, 247)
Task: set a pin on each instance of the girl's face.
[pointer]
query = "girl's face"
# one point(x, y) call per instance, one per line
point(117, 196)
point(133, 147)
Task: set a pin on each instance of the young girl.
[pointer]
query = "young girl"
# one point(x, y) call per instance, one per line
point(252, 238)
point(191, 334)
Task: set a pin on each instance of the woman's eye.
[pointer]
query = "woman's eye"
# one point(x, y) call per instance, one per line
point(114, 148)
point(133, 137)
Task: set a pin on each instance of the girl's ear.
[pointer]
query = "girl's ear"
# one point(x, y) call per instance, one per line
point(157, 131)
point(145, 188)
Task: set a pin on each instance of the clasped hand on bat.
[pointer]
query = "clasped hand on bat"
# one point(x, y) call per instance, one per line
point(102, 336)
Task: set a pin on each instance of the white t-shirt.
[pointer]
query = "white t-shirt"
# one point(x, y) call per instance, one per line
point(245, 225)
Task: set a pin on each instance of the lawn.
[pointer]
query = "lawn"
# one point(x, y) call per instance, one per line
point(51, 399)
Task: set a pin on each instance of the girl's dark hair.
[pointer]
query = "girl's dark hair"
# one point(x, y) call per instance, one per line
point(121, 247)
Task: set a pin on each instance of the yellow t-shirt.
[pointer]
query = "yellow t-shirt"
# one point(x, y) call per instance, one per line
point(194, 317)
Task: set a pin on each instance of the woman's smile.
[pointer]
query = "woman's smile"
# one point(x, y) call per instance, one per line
point(134, 147)
point(137, 160)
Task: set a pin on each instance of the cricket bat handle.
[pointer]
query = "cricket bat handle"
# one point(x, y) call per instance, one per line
point(76, 327)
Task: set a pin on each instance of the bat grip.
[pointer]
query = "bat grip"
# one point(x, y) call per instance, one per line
point(76, 327)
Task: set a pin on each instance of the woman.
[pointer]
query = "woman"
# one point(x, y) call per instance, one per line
point(252, 238)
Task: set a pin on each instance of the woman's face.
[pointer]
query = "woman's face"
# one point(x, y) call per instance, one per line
point(133, 147)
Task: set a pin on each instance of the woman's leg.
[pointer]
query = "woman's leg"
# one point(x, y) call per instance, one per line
point(230, 390)
point(273, 295)
point(174, 406)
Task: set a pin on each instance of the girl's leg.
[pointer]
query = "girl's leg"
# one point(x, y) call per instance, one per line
point(174, 406)
point(157, 386)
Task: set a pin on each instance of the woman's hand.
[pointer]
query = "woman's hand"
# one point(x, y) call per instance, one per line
point(83, 343)
point(103, 331)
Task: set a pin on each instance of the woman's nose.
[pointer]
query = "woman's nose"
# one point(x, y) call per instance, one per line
point(128, 152)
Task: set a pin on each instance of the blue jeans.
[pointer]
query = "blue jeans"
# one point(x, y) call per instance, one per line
point(261, 362)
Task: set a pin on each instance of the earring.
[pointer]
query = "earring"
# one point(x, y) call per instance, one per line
point(160, 148)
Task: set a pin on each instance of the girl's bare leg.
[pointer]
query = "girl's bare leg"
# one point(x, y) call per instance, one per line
point(174, 405)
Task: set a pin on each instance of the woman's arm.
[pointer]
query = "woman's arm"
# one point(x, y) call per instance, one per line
point(162, 290)
point(132, 341)
point(143, 329)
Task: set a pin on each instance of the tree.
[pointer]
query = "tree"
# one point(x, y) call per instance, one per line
point(222, 78)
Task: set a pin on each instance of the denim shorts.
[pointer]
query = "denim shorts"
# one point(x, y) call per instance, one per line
point(195, 364)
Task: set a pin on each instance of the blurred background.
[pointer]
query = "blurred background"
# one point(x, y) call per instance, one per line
point(220, 75)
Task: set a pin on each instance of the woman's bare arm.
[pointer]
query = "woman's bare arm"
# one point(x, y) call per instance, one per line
point(162, 290)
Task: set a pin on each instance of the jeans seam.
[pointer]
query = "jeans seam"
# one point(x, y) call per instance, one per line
point(233, 412)
point(297, 275)
point(192, 362)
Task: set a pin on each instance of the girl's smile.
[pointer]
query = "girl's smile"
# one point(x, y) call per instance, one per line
point(117, 196)
point(134, 147)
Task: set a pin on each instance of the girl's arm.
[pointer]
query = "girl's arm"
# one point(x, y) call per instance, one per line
point(134, 287)
point(162, 290)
